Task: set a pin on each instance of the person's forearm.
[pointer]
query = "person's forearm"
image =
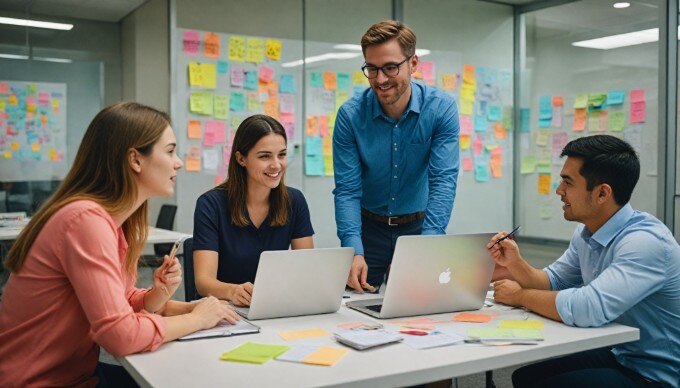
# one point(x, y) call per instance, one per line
point(216, 288)
point(541, 302)
point(173, 307)
point(180, 325)
point(528, 276)
point(155, 299)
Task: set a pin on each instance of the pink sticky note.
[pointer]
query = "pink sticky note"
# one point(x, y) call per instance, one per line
point(4, 88)
point(209, 137)
point(30, 100)
point(427, 69)
point(287, 103)
point(637, 95)
point(43, 98)
point(637, 112)
point(477, 146)
point(191, 42)
point(323, 125)
point(266, 74)
point(465, 125)
point(218, 129)
point(467, 164)
point(288, 122)
point(237, 76)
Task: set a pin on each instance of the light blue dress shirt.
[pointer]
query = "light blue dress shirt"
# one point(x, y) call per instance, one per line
point(627, 272)
point(395, 167)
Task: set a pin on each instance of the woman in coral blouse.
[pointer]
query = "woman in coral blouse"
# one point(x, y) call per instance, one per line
point(73, 268)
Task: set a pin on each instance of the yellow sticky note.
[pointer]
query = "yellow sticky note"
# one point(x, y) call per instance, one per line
point(327, 145)
point(15, 146)
point(203, 75)
point(469, 74)
point(521, 324)
point(303, 334)
point(2, 105)
point(464, 142)
point(13, 99)
point(8, 154)
point(449, 81)
point(273, 49)
point(326, 356)
point(466, 107)
point(35, 147)
point(328, 165)
point(192, 164)
point(271, 108)
point(255, 50)
point(237, 48)
point(358, 78)
point(544, 183)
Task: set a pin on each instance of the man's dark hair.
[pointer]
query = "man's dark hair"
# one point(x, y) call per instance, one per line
point(606, 159)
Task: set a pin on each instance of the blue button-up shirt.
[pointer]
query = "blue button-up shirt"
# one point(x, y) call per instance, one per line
point(392, 166)
point(626, 272)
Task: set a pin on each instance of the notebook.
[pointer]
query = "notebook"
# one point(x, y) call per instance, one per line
point(224, 329)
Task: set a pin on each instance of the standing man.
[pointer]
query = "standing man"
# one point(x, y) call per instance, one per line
point(621, 266)
point(395, 152)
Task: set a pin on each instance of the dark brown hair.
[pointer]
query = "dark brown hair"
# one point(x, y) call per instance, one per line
point(247, 135)
point(390, 29)
point(101, 173)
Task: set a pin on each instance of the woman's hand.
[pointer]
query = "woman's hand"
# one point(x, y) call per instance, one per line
point(168, 276)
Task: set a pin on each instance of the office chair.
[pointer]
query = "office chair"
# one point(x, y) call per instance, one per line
point(190, 292)
point(166, 219)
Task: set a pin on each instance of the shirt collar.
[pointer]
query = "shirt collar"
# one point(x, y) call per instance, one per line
point(613, 226)
point(413, 104)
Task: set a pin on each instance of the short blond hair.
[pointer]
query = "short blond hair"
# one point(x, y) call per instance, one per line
point(390, 29)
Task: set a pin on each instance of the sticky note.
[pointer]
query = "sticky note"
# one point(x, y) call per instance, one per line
point(287, 83)
point(467, 163)
point(316, 80)
point(222, 67)
point(251, 82)
point(192, 164)
point(615, 97)
point(211, 45)
point(544, 108)
point(544, 181)
point(464, 141)
point(528, 164)
point(266, 74)
point(237, 102)
point(218, 128)
point(637, 111)
point(499, 131)
point(191, 41)
point(254, 353)
point(194, 129)
point(596, 100)
point(524, 119)
point(469, 74)
point(358, 78)
point(329, 80)
point(314, 156)
point(312, 125)
point(494, 113)
point(237, 76)
point(637, 95)
point(521, 324)
point(580, 116)
point(273, 49)
point(221, 105)
point(449, 82)
point(203, 75)
point(581, 101)
point(481, 171)
point(201, 103)
point(326, 356)
point(617, 121)
point(557, 101)
point(343, 81)
point(237, 48)
point(255, 50)
point(472, 317)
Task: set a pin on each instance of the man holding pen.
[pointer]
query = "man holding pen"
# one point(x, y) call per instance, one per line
point(395, 154)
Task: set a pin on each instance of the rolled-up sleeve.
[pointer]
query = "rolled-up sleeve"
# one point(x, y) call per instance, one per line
point(566, 271)
point(637, 270)
point(443, 171)
point(348, 190)
point(93, 266)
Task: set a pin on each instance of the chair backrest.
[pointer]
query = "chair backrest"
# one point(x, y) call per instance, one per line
point(166, 217)
point(190, 292)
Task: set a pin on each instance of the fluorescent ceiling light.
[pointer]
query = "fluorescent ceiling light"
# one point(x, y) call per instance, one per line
point(356, 47)
point(621, 5)
point(319, 58)
point(621, 40)
point(36, 23)
point(44, 59)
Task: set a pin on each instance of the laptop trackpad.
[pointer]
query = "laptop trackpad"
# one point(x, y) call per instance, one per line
point(242, 311)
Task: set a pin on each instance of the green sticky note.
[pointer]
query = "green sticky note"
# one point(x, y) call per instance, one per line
point(201, 103)
point(596, 100)
point(221, 107)
point(581, 101)
point(528, 164)
point(316, 80)
point(617, 121)
point(254, 353)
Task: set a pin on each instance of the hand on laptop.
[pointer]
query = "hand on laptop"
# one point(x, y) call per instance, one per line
point(211, 310)
point(241, 294)
point(357, 275)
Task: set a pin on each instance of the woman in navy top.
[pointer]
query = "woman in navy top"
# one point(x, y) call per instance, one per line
point(251, 212)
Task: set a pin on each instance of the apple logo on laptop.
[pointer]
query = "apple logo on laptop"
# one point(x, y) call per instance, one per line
point(445, 276)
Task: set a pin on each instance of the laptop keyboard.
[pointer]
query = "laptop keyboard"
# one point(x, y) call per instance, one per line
point(375, 307)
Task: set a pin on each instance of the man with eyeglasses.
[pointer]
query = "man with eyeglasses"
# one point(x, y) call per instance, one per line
point(395, 154)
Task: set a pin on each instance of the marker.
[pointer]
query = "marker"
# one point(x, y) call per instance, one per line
point(511, 234)
point(172, 258)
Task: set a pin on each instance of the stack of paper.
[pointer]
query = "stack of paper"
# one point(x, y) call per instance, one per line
point(509, 335)
point(224, 329)
point(364, 339)
point(315, 355)
point(432, 340)
point(254, 353)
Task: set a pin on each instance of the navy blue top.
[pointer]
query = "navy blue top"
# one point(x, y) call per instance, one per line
point(238, 247)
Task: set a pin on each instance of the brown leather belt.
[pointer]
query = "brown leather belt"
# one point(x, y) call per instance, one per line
point(393, 221)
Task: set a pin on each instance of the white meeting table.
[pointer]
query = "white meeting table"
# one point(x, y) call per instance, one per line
point(156, 235)
point(197, 363)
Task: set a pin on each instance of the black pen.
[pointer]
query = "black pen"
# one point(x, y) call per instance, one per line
point(508, 235)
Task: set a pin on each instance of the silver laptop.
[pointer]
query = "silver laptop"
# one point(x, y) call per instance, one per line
point(434, 274)
point(298, 282)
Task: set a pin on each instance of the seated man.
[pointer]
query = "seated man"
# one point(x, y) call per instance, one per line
point(622, 265)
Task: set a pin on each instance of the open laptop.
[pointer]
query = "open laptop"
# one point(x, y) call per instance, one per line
point(298, 282)
point(434, 274)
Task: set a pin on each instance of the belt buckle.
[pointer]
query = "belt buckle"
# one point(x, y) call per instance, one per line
point(389, 221)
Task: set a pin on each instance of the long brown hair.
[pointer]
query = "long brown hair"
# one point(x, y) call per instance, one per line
point(101, 173)
point(247, 135)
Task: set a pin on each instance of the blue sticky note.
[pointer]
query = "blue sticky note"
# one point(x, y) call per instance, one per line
point(524, 119)
point(287, 83)
point(480, 123)
point(494, 113)
point(343, 81)
point(615, 97)
point(316, 80)
point(544, 123)
point(314, 156)
point(544, 108)
point(481, 171)
point(250, 82)
point(237, 102)
point(222, 67)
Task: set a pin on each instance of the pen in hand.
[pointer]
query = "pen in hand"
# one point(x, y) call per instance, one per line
point(509, 235)
point(172, 258)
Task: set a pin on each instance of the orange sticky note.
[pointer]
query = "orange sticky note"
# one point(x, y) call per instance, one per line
point(449, 81)
point(557, 101)
point(580, 116)
point(350, 325)
point(499, 131)
point(294, 335)
point(330, 82)
point(472, 317)
point(326, 356)
point(15, 146)
point(312, 125)
point(194, 129)
point(544, 183)
point(192, 164)
point(469, 74)
point(211, 45)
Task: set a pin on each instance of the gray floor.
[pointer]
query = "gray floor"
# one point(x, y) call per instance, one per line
point(538, 255)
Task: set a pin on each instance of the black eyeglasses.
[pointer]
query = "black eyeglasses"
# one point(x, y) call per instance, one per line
point(390, 70)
